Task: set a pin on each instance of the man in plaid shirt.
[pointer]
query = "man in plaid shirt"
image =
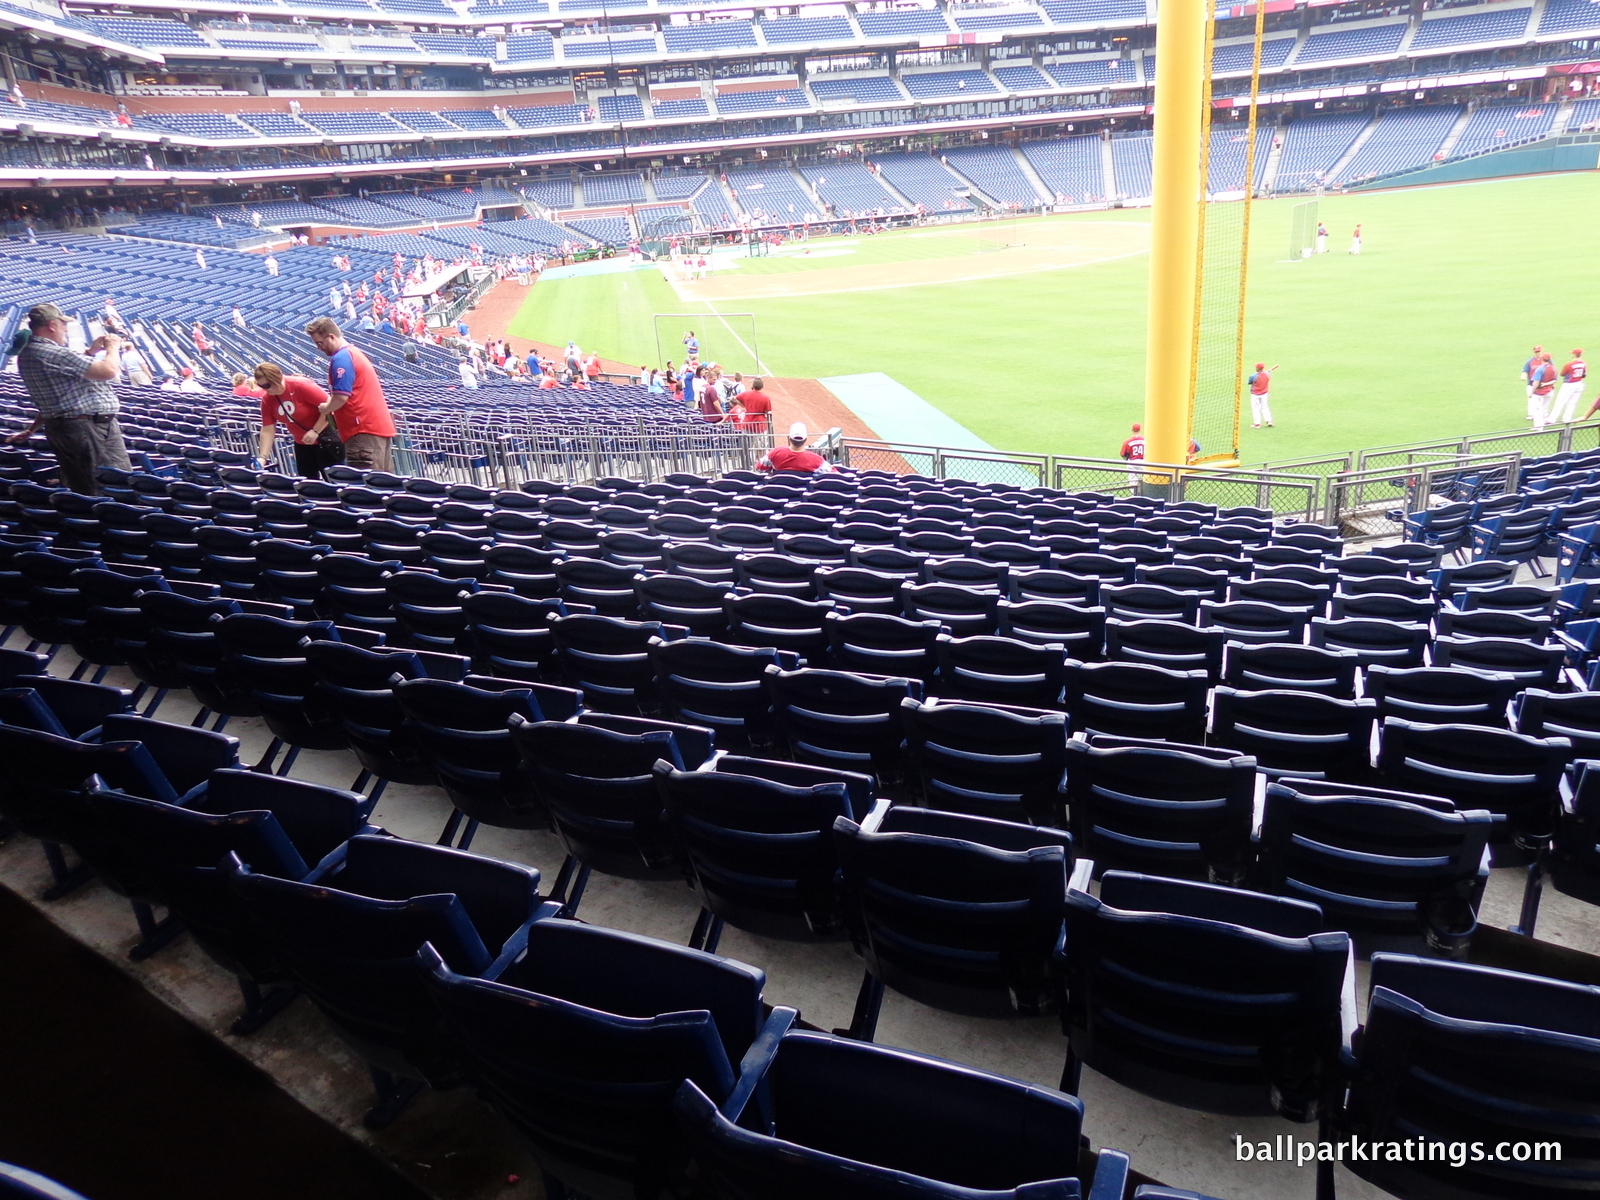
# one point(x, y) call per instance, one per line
point(77, 403)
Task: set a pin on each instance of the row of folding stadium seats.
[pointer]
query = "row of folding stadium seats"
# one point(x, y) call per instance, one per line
point(311, 889)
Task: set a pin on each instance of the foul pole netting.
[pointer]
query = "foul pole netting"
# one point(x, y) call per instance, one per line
point(1231, 155)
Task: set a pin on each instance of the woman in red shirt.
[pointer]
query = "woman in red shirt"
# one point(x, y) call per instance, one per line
point(294, 400)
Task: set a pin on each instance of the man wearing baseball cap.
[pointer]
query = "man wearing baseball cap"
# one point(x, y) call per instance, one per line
point(74, 395)
point(1573, 375)
point(794, 456)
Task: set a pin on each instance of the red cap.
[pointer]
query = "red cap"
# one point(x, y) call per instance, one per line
point(1261, 366)
point(1136, 427)
point(1577, 354)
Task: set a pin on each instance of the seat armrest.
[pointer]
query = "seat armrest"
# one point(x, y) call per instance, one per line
point(517, 944)
point(1349, 1011)
point(1110, 1176)
point(1082, 873)
point(880, 809)
point(757, 1059)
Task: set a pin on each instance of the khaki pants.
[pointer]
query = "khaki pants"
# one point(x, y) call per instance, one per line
point(83, 444)
point(369, 452)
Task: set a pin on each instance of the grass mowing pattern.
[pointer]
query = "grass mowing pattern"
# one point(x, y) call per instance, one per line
point(1420, 337)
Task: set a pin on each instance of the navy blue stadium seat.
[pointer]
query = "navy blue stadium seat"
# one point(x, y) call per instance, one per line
point(581, 1042)
point(1296, 733)
point(1268, 1035)
point(826, 1116)
point(988, 760)
point(756, 839)
point(843, 720)
point(1442, 695)
point(1137, 700)
point(279, 827)
point(718, 686)
point(19, 1183)
point(1295, 667)
point(1452, 1052)
point(959, 912)
point(1395, 869)
point(1476, 766)
point(1161, 807)
point(608, 658)
point(593, 776)
point(349, 936)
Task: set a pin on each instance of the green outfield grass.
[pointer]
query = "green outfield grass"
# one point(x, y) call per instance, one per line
point(1420, 337)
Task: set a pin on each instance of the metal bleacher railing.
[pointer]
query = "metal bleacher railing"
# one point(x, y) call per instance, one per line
point(1368, 493)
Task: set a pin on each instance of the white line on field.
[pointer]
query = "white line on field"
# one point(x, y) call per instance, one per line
point(761, 367)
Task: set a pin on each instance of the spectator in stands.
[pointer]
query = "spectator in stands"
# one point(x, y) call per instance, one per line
point(574, 357)
point(691, 344)
point(238, 318)
point(16, 97)
point(469, 373)
point(202, 343)
point(187, 382)
point(795, 456)
point(335, 300)
point(386, 325)
point(355, 403)
point(272, 266)
point(241, 384)
point(74, 395)
point(111, 318)
point(368, 324)
point(200, 258)
point(591, 368)
point(757, 407)
point(135, 366)
point(296, 402)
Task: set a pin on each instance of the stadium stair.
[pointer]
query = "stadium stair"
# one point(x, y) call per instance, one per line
point(1448, 146)
point(1563, 115)
point(1355, 148)
point(1269, 173)
point(1108, 169)
point(1030, 174)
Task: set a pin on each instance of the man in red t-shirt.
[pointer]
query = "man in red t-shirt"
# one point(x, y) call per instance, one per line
point(355, 400)
point(795, 456)
point(757, 408)
point(296, 402)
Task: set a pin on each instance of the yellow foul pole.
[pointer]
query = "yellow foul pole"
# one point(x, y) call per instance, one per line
point(1174, 226)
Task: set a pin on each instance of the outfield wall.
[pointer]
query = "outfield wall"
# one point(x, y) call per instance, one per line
point(1572, 152)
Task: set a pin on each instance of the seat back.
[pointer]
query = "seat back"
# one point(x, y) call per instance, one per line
point(582, 1043)
point(1476, 1054)
point(1137, 700)
point(855, 1121)
point(1162, 808)
point(840, 719)
point(1295, 733)
point(1299, 668)
point(760, 851)
point(1442, 695)
point(959, 912)
point(988, 760)
point(1379, 865)
point(1266, 1036)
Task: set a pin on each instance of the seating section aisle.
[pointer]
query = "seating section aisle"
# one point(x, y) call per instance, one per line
point(994, 169)
point(1313, 146)
point(921, 179)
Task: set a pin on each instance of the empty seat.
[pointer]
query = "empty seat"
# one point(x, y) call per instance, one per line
point(780, 622)
point(881, 644)
point(1161, 807)
point(963, 610)
point(859, 590)
point(1442, 695)
point(460, 729)
point(1459, 1053)
point(1530, 664)
point(1395, 869)
point(581, 1042)
point(1136, 700)
point(1296, 733)
point(1208, 997)
point(349, 936)
point(1393, 643)
point(1298, 668)
point(1081, 629)
point(718, 686)
point(1001, 670)
point(1479, 767)
point(609, 658)
point(840, 719)
point(507, 635)
point(954, 1131)
point(1171, 644)
point(756, 838)
point(959, 912)
point(780, 574)
point(988, 760)
point(279, 827)
point(696, 604)
point(1254, 622)
point(1573, 715)
point(1149, 601)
